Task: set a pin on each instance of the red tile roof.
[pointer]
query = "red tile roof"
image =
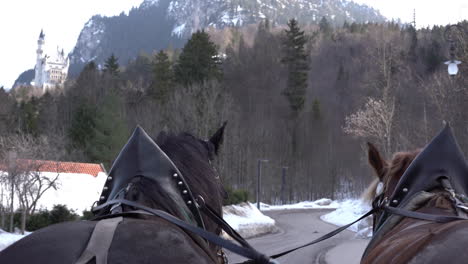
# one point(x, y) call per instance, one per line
point(57, 166)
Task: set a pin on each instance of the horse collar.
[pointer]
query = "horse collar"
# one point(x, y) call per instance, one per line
point(141, 156)
point(441, 160)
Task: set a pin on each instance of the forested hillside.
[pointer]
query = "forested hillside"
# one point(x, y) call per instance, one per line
point(308, 101)
point(158, 24)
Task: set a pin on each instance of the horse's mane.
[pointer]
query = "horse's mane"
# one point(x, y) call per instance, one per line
point(393, 172)
point(192, 157)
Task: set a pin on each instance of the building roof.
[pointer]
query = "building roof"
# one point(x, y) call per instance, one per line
point(57, 166)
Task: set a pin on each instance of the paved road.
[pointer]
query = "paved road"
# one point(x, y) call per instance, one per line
point(297, 227)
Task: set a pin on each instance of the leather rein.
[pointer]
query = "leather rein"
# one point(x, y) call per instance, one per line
point(244, 249)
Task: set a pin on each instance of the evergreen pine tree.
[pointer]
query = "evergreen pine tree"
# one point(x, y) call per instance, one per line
point(29, 117)
point(198, 61)
point(81, 128)
point(413, 44)
point(163, 77)
point(111, 65)
point(325, 26)
point(295, 59)
point(109, 132)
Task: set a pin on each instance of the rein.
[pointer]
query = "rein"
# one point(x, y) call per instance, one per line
point(245, 249)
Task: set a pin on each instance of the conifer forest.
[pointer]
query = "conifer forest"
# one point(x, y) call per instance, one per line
point(303, 97)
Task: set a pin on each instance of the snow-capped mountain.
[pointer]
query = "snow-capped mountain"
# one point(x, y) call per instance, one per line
point(190, 15)
point(156, 24)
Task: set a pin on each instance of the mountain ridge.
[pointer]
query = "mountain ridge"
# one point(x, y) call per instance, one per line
point(158, 24)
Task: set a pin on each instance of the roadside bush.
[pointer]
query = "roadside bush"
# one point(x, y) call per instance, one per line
point(87, 215)
point(59, 213)
point(235, 196)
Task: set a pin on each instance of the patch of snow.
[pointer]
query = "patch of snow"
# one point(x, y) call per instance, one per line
point(148, 3)
point(347, 212)
point(7, 239)
point(323, 203)
point(172, 6)
point(247, 220)
point(179, 30)
point(89, 23)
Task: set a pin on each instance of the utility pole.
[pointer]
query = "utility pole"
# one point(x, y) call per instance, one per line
point(283, 183)
point(259, 177)
point(11, 174)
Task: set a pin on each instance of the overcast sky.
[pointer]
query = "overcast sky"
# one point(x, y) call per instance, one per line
point(62, 20)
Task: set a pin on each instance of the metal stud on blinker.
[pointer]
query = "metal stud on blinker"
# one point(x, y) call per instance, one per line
point(103, 197)
point(184, 191)
point(109, 178)
point(180, 183)
point(105, 188)
point(189, 202)
point(175, 175)
point(405, 189)
point(395, 201)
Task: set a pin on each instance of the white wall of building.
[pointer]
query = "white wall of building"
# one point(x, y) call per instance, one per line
point(76, 191)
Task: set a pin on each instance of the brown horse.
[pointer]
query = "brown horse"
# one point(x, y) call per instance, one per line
point(400, 239)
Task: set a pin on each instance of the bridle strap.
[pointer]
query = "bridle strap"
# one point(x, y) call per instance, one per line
point(211, 213)
point(422, 216)
point(247, 252)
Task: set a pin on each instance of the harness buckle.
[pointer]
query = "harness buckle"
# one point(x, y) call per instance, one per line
point(200, 201)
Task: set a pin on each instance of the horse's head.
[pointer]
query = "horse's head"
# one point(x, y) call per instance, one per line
point(387, 173)
point(173, 175)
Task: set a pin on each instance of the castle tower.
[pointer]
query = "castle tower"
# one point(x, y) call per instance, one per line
point(40, 62)
point(50, 72)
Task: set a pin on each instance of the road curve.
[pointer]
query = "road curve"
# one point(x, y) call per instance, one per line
point(298, 227)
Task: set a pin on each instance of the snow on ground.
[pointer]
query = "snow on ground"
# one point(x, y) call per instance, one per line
point(347, 212)
point(76, 191)
point(323, 203)
point(7, 239)
point(247, 220)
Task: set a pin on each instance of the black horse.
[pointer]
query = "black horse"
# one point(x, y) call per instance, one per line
point(139, 174)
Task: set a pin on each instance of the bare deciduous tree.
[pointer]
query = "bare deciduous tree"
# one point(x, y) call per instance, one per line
point(374, 122)
point(23, 179)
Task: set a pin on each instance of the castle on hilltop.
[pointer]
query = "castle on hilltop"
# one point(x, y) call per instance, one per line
point(50, 72)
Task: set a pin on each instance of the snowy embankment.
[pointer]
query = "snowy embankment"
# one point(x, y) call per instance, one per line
point(247, 220)
point(323, 203)
point(7, 239)
point(349, 211)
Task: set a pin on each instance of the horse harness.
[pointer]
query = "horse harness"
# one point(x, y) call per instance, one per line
point(407, 190)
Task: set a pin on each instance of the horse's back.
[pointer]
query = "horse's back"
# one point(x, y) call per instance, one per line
point(423, 243)
point(135, 241)
point(60, 243)
point(448, 244)
point(143, 241)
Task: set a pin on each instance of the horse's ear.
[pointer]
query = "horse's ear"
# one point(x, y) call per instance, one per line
point(217, 138)
point(376, 160)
